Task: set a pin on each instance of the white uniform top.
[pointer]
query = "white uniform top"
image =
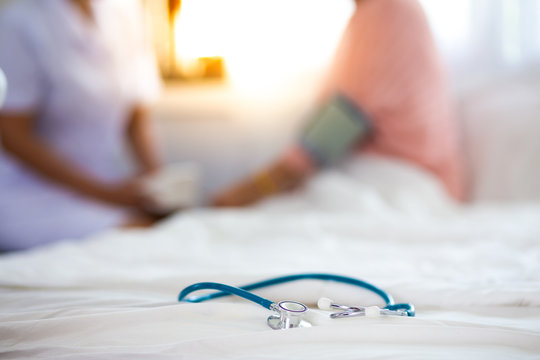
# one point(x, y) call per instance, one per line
point(81, 79)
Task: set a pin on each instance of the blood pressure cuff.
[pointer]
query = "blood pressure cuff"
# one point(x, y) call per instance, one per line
point(335, 128)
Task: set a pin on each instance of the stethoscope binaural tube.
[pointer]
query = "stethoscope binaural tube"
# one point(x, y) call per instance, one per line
point(224, 290)
point(227, 290)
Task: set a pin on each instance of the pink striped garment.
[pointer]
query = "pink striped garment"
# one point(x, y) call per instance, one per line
point(388, 64)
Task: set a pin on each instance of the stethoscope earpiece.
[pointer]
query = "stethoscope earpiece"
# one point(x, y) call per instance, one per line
point(367, 311)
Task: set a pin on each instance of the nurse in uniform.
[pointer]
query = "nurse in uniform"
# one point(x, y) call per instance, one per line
point(74, 131)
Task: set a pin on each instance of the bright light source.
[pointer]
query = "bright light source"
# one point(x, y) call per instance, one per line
point(261, 42)
point(450, 21)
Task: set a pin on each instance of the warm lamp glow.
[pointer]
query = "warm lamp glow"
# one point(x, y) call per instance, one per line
point(261, 42)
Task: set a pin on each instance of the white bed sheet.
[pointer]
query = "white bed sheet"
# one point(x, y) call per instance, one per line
point(472, 272)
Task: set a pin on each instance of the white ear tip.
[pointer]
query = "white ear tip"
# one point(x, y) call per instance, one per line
point(372, 311)
point(324, 303)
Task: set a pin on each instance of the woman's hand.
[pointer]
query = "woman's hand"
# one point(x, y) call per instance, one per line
point(288, 173)
point(241, 194)
point(126, 193)
point(278, 178)
point(20, 140)
point(131, 193)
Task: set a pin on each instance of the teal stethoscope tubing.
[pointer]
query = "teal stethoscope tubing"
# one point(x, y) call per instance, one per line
point(244, 291)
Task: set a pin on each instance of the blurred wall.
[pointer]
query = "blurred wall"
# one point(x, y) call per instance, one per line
point(3, 2)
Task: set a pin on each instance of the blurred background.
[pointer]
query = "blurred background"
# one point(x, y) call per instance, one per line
point(240, 76)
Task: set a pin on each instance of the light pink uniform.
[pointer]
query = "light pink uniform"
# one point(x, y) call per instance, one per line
point(388, 64)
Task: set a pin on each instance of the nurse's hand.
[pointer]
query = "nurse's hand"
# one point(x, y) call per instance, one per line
point(127, 193)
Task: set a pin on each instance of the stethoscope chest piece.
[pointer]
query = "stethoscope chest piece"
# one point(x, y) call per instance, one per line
point(290, 315)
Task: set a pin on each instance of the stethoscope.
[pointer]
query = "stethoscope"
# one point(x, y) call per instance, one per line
point(290, 314)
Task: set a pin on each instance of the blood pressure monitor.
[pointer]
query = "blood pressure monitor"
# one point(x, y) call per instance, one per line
point(333, 130)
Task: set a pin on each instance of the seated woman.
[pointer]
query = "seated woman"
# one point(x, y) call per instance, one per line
point(387, 65)
point(79, 77)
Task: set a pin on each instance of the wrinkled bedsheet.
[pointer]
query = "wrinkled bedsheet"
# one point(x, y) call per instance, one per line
point(473, 273)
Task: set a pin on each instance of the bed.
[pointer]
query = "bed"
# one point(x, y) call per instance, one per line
point(472, 272)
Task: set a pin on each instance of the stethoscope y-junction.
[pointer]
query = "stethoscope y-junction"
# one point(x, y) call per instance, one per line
point(290, 314)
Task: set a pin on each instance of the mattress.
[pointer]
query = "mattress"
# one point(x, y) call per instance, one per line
point(473, 273)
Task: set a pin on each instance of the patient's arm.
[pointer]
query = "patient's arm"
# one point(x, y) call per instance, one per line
point(331, 133)
point(287, 173)
point(20, 140)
